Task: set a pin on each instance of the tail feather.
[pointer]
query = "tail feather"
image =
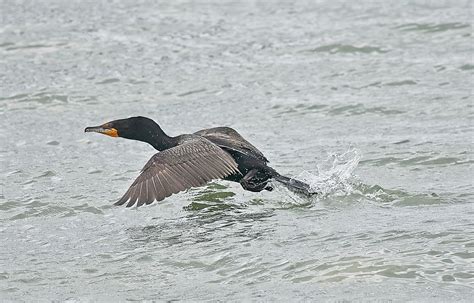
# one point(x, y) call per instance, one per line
point(295, 185)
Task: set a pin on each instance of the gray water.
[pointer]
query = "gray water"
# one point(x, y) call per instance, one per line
point(371, 103)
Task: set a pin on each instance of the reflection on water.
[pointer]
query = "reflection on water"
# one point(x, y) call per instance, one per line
point(198, 227)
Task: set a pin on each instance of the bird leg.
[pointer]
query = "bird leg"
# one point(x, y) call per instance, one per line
point(251, 183)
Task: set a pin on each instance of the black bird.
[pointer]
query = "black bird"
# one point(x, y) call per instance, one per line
point(191, 160)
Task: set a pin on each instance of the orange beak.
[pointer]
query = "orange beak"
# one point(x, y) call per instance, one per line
point(103, 129)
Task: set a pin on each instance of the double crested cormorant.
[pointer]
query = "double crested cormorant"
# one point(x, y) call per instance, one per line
point(191, 160)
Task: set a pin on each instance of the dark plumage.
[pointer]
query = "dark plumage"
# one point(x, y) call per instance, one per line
point(192, 160)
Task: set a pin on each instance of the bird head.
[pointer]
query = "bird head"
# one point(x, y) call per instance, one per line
point(129, 128)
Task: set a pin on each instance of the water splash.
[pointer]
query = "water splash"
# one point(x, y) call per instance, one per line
point(333, 176)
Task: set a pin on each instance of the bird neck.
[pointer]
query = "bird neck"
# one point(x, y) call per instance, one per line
point(157, 138)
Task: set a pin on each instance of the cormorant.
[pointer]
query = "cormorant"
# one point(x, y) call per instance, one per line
point(192, 160)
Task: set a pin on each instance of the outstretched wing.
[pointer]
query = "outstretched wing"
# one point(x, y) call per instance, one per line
point(194, 162)
point(229, 138)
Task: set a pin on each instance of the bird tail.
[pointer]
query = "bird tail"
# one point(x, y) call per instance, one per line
point(294, 184)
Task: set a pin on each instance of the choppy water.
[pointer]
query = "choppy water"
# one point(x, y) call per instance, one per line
point(370, 102)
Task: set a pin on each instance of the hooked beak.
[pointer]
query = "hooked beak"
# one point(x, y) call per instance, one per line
point(103, 129)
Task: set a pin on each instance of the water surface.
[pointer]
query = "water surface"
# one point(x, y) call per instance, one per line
point(371, 103)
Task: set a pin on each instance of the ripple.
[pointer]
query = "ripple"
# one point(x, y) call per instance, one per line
point(41, 211)
point(53, 143)
point(46, 98)
point(88, 209)
point(9, 205)
point(14, 97)
point(47, 173)
point(428, 160)
point(196, 91)
point(34, 46)
point(96, 171)
point(465, 255)
point(108, 81)
point(467, 67)
point(210, 207)
point(298, 109)
point(40, 99)
point(401, 83)
point(348, 49)
point(4, 44)
point(335, 110)
point(214, 196)
point(360, 109)
point(136, 82)
point(392, 197)
point(144, 259)
point(433, 27)
point(402, 142)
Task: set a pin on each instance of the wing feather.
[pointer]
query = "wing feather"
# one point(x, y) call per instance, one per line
point(189, 181)
point(195, 178)
point(180, 183)
point(158, 194)
point(150, 191)
point(193, 162)
point(229, 138)
point(133, 194)
point(161, 193)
